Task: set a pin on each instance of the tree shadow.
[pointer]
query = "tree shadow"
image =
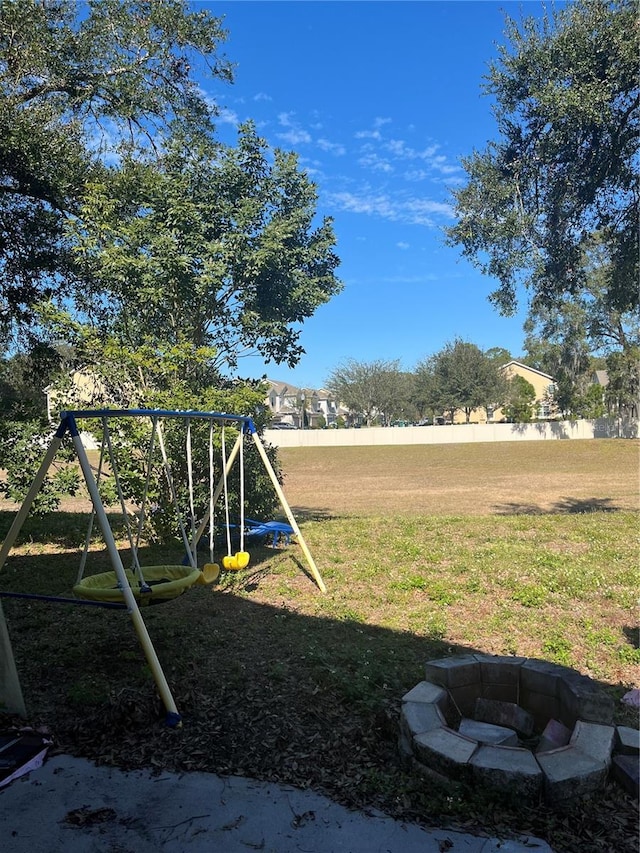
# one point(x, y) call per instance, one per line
point(602, 428)
point(265, 691)
point(558, 429)
point(306, 513)
point(632, 634)
point(564, 506)
point(61, 528)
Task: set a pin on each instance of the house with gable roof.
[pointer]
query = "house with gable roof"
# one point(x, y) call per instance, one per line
point(543, 385)
point(303, 407)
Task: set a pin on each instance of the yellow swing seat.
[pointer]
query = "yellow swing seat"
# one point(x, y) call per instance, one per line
point(165, 583)
point(237, 561)
point(209, 574)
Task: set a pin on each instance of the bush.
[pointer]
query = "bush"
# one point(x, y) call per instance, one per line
point(23, 447)
point(131, 445)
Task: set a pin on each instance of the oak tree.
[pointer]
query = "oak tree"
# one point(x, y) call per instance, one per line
point(78, 85)
point(560, 178)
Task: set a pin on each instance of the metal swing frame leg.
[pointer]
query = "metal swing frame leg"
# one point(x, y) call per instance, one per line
point(11, 698)
point(10, 692)
point(287, 509)
point(281, 497)
point(173, 717)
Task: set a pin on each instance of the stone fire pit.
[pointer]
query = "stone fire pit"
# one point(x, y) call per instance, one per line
point(525, 726)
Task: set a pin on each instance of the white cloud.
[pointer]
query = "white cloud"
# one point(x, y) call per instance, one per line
point(412, 211)
point(227, 116)
point(313, 168)
point(417, 175)
point(421, 208)
point(332, 147)
point(410, 279)
point(262, 96)
point(294, 134)
point(400, 148)
point(384, 155)
point(379, 205)
point(448, 169)
point(373, 161)
point(375, 132)
point(368, 134)
point(314, 174)
point(402, 245)
point(428, 153)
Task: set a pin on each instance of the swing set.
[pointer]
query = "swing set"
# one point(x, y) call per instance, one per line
point(137, 586)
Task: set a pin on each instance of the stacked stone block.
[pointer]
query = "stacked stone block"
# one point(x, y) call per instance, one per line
point(574, 755)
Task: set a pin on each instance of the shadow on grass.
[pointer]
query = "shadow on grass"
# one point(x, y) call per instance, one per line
point(58, 529)
point(633, 636)
point(265, 691)
point(313, 514)
point(565, 506)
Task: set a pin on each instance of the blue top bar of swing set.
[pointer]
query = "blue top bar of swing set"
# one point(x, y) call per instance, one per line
point(248, 425)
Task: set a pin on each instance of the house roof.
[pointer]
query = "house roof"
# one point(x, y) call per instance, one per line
point(527, 367)
point(281, 387)
point(284, 390)
point(601, 377)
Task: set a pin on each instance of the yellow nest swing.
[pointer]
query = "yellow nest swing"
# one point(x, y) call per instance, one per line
point(156, 584)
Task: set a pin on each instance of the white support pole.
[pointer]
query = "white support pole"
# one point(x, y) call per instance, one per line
point(287, 509)
point(129, 598)
point(11, 699)
point(220, 485)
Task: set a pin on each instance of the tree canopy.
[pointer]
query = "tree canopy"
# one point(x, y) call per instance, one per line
point(460, 376)
point(123, 209)
point(374, 389)
point(74, 87)
point(213, 247)
point(131, 239)
point(560, 180)
point(519, 400)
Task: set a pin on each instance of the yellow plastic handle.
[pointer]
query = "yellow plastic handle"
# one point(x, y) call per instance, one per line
point(235, 562)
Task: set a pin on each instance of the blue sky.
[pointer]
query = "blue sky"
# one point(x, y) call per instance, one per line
point(380, 100)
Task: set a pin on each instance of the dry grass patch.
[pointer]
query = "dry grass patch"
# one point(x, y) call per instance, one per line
point(479, 479)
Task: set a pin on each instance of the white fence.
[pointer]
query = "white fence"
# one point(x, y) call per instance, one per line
point(458, 434)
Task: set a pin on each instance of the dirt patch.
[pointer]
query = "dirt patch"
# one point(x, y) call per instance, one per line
point(472, 479)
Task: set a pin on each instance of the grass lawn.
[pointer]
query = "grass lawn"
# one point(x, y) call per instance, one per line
point(522, 548)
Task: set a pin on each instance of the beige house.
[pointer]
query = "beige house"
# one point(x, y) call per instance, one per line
point(543, 385)
point(86, 390)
